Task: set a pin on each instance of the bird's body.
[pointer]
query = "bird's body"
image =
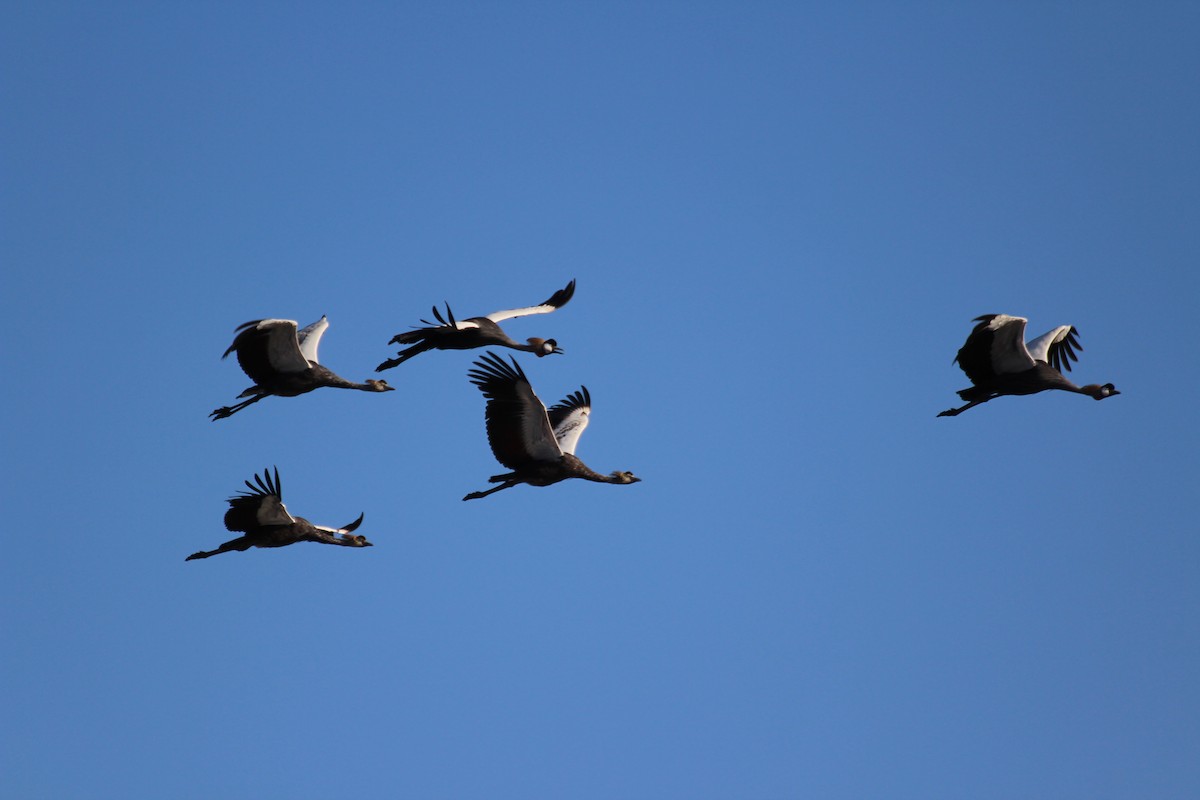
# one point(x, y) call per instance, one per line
point(467, 334)
point(536, 443)
point(999, 362)
point(282, 360)
point(261, 516)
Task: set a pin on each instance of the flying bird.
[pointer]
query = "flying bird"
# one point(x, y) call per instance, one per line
point(537, 444)
point(282, 360)
point(467, 334)
point(261, 515)
point(998, 361)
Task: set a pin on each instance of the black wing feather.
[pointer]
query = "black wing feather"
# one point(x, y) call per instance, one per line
point(560, 410)
point(244, 507)
point(562, 296)
point(1062, 352)
point(518, 429)
point(975, 356)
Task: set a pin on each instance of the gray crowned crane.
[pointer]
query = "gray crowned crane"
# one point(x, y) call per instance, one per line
point(282, 360)
point(467, 334)
point(537, 444)
point(998, 361)
point(265, 522)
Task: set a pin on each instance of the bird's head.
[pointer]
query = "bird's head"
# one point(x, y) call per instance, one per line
point(544, 347)
point(624, 477)
point(1099, 392)
point(380, 386)
point(350, 540)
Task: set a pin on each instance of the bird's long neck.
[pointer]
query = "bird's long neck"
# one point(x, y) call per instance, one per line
point(329, 536)
point(338, 382)
point(582, 470)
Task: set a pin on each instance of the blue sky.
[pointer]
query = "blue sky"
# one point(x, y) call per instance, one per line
point(782, 219)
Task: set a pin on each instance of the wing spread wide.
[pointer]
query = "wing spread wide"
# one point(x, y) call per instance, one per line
point(267, 347)
point(1057, 347)
point(309, 338)
point(556, 301)
point(996, 346)
point(260, 507)
point(569, 418)
point(518, 428)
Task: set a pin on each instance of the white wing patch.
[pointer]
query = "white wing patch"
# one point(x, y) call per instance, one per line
point(1039, 348)
point(570, 428)
point(309, 338)
point(1008, 352)
point(500, 316)
point(283, 348)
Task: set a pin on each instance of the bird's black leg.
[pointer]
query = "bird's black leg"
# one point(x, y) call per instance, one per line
point(954, 412)
point(493, 490)
point(240, 543)
point(402, 356)
point(229, 411)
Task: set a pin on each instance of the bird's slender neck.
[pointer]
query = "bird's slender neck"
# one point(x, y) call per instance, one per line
point(582, 470)
point(368, 386)
point(329, 537)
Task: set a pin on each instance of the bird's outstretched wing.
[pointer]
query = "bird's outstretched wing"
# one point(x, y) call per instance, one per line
point(260, 507)
point(517, 426)
point(556, 301)
point(569, 418)
point(266, 347)
point(309, 338)
point(1057, 347)
point(345, 528)
point(995, 346)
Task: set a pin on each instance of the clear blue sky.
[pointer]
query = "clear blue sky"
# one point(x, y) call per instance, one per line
point(782, 218)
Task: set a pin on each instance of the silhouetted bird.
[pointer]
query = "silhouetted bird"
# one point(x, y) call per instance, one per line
point(536, 444)
point(999, 362)
point(283, 361)
point(261, 515)
point(476, 332)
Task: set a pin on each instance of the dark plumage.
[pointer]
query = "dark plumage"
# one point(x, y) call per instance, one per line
point(467, 334)
point(536, 444)
point(282, 360)
point(261, 515)
point(999, 362)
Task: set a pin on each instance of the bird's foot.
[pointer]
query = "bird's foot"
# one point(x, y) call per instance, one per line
point(950, 412)
point(221, 413)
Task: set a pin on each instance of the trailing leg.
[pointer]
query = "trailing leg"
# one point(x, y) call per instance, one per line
point(506, 485)
point(240, 543)
point(954, 412)
point(228, 411)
